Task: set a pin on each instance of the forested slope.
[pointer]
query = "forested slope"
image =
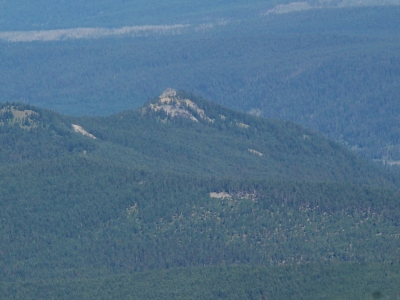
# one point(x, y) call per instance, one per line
point(177, 197)
point(343, 281)
point(190, 136)
point(68, 218)
point(135, 192)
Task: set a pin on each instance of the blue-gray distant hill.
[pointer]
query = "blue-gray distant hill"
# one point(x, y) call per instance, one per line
point(332, 66)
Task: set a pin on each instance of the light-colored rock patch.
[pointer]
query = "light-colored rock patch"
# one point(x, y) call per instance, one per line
point(174, 110)
point(391, 162)
point(80, 130)
point(246, 195)
point(220, 195)
point(132, 209)
point(242, 125)
point(255, 152)
point(239, 194)
point(167, 94)
point(175, 107)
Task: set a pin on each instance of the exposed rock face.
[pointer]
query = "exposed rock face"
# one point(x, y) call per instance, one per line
point(255, 152)
point(242, 195)
point(80, 130)
point(174, 106)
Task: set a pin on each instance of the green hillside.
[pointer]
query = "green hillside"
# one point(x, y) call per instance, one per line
point(30, 134)
point(172, 189)
point(190, 136)
point(337, 281)
point(76, 217)
point(111, 196)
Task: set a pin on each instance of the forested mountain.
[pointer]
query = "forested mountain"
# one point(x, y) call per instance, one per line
point(183, 133)
point(92, 204)
point(109, 193)
point(330, 66)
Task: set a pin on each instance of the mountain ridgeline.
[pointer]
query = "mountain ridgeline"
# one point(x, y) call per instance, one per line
point(185, 185)
point(327, 65)
point(183, 133)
